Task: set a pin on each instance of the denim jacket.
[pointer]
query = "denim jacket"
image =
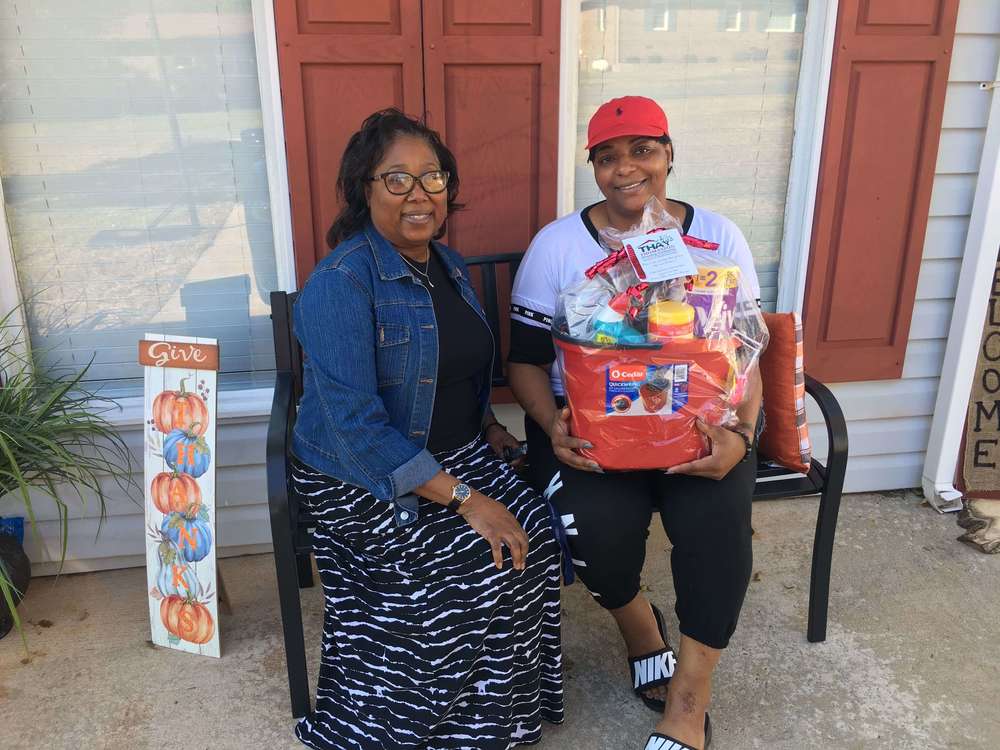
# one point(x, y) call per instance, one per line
point(369, 334)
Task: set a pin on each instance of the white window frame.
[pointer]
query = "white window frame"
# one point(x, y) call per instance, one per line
point(664, 22)
point(807, 147)
point(10, 290)
point(266, 43)
point(569, 79)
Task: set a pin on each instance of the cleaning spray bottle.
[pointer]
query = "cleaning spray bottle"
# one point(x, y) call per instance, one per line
point(610, 324)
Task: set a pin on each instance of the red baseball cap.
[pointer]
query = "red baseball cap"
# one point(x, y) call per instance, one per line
point(627, 115)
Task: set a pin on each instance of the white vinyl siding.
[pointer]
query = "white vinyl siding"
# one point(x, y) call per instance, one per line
point(889, 421)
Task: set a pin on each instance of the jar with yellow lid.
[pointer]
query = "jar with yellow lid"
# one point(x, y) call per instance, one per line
point(670, 319)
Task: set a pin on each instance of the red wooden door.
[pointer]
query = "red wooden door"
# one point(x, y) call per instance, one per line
point(887, 89)
point(338, 61)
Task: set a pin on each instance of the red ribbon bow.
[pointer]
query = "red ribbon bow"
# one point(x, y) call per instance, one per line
point(700, 244)
point(634, 296)
point(604, 265)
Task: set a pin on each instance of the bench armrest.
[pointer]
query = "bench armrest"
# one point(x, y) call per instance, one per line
point(277, 452)
point(836, 431)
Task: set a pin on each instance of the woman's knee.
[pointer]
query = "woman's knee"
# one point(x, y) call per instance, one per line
point(610, 593)
point(607, 557)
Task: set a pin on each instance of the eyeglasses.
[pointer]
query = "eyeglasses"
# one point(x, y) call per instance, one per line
point(401, 183)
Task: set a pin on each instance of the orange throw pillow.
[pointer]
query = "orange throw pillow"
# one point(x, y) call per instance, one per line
point(785, 439)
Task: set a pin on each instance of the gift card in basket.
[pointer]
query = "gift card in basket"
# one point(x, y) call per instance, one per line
point(639, 390)
point(660, 257)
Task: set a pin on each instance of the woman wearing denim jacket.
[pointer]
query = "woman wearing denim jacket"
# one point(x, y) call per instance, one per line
point(438, 564)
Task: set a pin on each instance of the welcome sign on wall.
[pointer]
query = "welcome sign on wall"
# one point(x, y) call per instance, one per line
point(979, 460)
point(180, 409)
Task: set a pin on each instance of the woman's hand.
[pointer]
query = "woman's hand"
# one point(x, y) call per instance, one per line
point(565, 445)
point(494, 523)
point(728, 449)
point(498, 438)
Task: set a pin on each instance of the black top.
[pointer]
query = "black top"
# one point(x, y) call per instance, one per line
point(464, 351)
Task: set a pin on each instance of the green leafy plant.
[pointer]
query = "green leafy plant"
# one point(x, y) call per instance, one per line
point(54, 440)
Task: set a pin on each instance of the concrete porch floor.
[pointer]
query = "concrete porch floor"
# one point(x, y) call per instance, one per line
point(911, 658)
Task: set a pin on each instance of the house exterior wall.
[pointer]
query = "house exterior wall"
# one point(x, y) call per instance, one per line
point(889, 421)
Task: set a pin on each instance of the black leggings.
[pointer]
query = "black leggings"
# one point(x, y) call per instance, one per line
point(607, 517)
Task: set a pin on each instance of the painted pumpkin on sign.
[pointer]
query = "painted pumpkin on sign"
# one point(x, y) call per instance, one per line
point(186, 453)
point(175, 493)
point(180, 410)
point(177, 579)
point(190, 534)
point(187, 619)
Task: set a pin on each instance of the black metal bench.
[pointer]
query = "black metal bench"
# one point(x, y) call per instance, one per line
point(290, 528)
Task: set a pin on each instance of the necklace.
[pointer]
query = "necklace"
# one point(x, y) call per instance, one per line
point(418, 270)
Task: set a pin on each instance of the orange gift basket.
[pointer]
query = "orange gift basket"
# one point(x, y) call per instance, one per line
point(642, 359)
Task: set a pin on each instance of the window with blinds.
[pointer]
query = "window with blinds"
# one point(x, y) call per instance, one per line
point(726, 73)
point(132, 159)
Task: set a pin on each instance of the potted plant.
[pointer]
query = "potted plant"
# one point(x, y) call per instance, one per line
point(14, 564)
point(54, 443)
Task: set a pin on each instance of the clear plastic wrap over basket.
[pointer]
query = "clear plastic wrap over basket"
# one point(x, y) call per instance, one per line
point(642, 361)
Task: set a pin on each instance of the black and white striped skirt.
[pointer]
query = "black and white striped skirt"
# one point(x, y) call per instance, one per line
point(425, 643)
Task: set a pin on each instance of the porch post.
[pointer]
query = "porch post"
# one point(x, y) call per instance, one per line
point(971, 299)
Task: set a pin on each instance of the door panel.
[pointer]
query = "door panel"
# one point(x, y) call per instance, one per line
point(492, 87)
point(378, 17)
point(498, 152)
point(492, 17)
point(876, 205)
point(899, 16)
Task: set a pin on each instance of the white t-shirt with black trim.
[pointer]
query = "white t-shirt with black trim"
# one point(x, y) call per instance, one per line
point(560, 254)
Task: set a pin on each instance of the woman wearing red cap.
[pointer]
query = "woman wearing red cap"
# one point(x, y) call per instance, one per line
point(704, 505)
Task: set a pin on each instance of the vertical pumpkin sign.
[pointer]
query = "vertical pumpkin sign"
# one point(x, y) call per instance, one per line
point(180, 452)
